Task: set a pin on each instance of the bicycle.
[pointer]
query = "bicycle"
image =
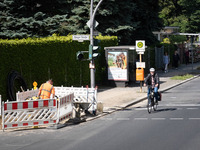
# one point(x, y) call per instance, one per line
point(151, 103)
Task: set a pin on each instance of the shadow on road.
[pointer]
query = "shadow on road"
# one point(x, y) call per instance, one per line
point(166, 109)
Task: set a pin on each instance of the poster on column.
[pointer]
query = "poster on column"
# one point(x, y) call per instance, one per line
point(117, 65)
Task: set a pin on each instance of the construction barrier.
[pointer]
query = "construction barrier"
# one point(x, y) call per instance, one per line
point(21, 96)
point(0, 104)
point(65, 107)
point(81, 94)
point(36, 112)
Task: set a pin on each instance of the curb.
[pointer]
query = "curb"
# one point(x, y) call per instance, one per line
point(141, 99)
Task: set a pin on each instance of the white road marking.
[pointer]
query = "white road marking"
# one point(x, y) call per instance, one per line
point(176, 118)
point(122, 119)
point(184, 105)
point(172, 97)
point(158, 118)
point(140, 108)
point(140, 118)
point(107, 118)
point(192, 108)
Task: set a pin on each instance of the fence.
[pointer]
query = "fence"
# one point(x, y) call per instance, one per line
point(159, 52)
point(35, 113)
point(81, 94)
point(21, 96)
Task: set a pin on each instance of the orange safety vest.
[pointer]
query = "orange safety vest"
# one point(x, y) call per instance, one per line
point(46, 90)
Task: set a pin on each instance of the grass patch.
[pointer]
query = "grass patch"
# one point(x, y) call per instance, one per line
point(182, 77)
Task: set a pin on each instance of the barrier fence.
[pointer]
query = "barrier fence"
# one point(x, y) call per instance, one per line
point(81, 94)
point(66, 107)
point(36, 112)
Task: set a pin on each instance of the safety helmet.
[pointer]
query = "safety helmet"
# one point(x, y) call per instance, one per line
point(152, 70)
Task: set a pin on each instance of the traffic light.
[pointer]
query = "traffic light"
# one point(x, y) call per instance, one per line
point(93, 52)
point(79, 55)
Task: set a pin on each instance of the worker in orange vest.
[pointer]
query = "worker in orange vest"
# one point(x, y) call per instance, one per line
point(46, 89)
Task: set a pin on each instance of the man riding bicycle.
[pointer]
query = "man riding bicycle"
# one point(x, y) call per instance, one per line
point(152, 80)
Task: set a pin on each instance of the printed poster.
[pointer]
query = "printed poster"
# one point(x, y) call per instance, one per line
point(117, 66)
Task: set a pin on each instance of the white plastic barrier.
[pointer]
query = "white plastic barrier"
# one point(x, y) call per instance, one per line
point(81, 94)
point(36, 112)
point(66, 107)
point(0, 104)
point(21, 96)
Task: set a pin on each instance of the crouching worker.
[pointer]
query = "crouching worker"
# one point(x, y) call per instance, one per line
point(46, 89)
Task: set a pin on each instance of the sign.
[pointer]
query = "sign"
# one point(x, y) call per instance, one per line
point(140, 46)
point(95, 23)
point(81, 37)
point(140, 52)
point(140, 64)
point(35, 85)
point(91, 66)
point(117, 65)
point(166, 40)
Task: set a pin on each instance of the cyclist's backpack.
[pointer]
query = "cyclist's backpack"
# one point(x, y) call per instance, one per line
point(159, 96)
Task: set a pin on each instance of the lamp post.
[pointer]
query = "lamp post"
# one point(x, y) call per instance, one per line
point(92, 16)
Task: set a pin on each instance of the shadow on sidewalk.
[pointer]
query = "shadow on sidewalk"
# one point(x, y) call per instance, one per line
point(182, 70)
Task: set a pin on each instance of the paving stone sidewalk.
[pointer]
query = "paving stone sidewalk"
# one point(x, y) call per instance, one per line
point(120, 97)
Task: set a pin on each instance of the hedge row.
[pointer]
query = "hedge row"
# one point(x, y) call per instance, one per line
point(38, 59)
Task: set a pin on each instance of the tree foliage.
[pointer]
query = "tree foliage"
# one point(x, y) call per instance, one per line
point(31, 18)
point(182, 13)
point(128, 19)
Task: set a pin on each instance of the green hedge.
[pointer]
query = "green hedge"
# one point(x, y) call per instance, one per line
point(39, 59)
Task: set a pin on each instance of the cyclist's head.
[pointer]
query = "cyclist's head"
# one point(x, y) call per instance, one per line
point(152, 70)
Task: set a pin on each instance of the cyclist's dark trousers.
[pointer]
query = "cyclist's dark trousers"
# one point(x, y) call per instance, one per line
point(155, 92)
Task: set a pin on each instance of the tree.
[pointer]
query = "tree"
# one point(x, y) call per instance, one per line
point(128, 19)
point(21, 19)
point(182, 13)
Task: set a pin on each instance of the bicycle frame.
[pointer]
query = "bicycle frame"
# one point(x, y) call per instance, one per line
point(151, 101)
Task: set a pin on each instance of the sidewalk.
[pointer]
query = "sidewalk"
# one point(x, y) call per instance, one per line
point(120, 97)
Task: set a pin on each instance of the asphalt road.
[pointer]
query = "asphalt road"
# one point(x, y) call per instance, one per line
point(175, 126)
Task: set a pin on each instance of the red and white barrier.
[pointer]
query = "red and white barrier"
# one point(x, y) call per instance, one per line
point(0, 105)
point(36, 112)
point(81, 94)
point(29, 113)
point(66, 107)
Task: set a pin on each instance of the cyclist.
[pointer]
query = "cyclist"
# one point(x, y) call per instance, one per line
point(152, 81)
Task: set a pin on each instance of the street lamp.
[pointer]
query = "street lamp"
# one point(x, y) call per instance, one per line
point(92, 16)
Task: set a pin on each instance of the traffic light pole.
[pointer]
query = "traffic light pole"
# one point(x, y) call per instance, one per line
point(92, 16)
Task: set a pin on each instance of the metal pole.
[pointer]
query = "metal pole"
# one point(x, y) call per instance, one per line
point(92, 73)
point(92, 16)
point(140, 81)
point(192, 51)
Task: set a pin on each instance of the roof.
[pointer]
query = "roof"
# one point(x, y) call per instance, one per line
point(131, 47)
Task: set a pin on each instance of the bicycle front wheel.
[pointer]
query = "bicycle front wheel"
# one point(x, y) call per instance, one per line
point(149, 105)
point(155, 106)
